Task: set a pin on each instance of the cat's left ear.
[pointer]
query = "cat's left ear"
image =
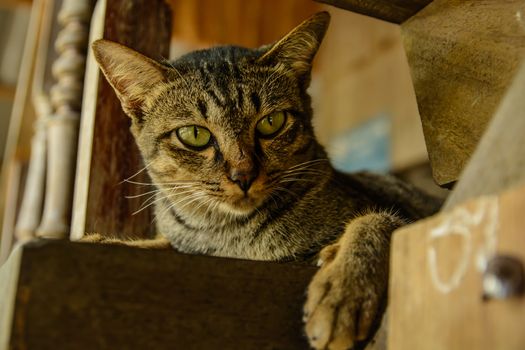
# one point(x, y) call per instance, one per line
point(298, 48)
point(132, 75)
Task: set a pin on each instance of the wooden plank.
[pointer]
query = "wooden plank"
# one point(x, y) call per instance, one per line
point(246, 23)
point(498, 161)
point(8, 205)
point(463, 56)
point(8, 288)
point(436, 284)
point(395, 11)
point(87, 121)
point(144, 26)
point(88, 296)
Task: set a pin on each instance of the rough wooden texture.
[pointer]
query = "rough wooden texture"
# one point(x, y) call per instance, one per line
point(462, 55)
point(249, 23)
point(498, 162)
point(145, 26)
point(436, 278)
point(395, 11)
point(85, 296)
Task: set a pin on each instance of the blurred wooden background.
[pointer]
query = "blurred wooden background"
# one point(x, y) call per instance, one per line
point(360, 71)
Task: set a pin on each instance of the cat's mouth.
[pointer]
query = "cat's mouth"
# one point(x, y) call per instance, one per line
point(245, 204)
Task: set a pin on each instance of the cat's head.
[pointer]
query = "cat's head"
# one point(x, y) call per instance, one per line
point(226, 126)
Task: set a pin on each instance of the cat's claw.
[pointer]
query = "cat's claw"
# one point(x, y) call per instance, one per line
point(327, 254)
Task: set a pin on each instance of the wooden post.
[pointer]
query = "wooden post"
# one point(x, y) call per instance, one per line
point(31, 208)
point(66, 98)
point(462, 56)
point(108, 154)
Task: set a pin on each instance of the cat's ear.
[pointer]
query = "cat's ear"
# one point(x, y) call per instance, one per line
point(298, 48)
point(131, 74)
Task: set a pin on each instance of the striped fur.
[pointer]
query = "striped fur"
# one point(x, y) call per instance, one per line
point(297, 203)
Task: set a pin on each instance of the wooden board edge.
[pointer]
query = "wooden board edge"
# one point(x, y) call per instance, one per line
point(9, 273)
point(87, 123)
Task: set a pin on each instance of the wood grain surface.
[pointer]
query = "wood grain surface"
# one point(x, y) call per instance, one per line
point(436, 290)
point(497, 164)
point(463, 56)
point(90, 296)
point(144, 25)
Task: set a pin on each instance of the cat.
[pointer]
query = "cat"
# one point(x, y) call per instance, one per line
point(227, 137)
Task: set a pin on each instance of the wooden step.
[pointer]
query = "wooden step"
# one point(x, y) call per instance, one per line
point(91, 296)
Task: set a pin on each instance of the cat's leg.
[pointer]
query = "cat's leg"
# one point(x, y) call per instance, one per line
point(348, 293)
point(158, 242)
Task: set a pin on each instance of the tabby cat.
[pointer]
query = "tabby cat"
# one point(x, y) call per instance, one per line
point(227, 137)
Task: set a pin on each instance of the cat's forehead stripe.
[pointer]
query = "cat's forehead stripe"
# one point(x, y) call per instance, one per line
point(203, 109)
point(256, 101)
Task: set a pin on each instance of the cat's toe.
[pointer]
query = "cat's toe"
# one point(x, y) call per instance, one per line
point(366, 319)
point(327, 254)
point(319, 327)
point(340, 309)
point(329, 316)
point(343, 337)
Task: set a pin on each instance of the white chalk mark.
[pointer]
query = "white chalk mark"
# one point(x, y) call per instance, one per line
point(461, 222)
point(490, 233)
point(449, 227)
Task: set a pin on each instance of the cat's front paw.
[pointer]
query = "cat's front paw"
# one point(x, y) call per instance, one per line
point(342, 305)
point(98, 238)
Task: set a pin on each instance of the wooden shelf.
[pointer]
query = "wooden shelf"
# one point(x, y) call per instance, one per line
point(92, 296)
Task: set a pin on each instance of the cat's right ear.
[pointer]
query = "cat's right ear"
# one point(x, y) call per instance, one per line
point(298, 48)
point(131, 74)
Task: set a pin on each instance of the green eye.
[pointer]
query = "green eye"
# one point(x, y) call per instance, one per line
point(194, 136)
point(270, 124)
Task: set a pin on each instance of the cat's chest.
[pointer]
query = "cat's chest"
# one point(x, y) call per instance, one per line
point(254, 240)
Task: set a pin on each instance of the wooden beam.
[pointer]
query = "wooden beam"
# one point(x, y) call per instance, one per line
point(462, 56)
point(108, 153)
point(437, 278)
point(89, 296)
point(497, 163)
point(395, 11)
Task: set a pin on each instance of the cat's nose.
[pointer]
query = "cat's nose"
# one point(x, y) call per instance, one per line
point(243, 178)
